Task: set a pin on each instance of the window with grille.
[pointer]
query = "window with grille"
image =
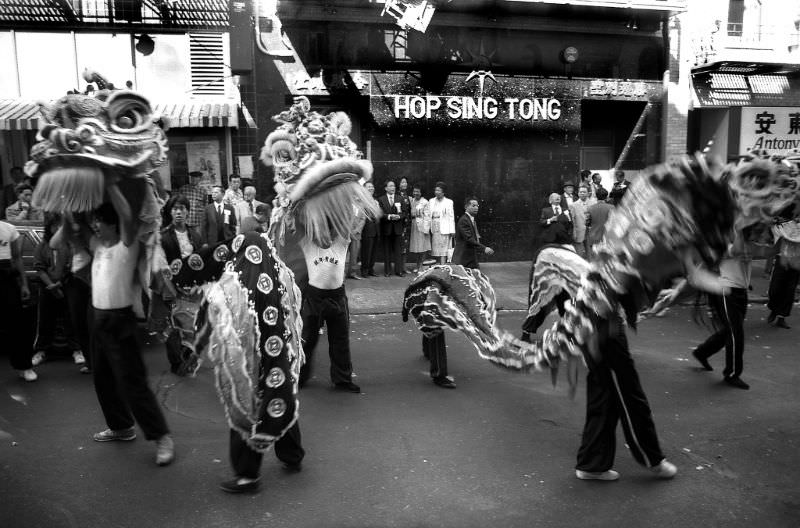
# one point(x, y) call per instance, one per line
point(208, 58)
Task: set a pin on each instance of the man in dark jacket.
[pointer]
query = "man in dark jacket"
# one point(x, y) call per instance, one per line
point(620, 187)
point(219, 219)
point(369, 241)
point(556, 222)
point(392, 222)
point(468, 242)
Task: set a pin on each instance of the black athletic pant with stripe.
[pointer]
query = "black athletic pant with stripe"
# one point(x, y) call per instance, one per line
point(614, 393)
point(730, 311)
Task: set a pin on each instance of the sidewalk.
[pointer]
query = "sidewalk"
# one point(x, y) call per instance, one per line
point(379, 295)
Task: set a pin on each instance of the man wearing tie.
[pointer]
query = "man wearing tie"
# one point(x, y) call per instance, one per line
point(468, 242)
point(556, 222)
point(466, 254)
point(394, 215)
point(219, 220)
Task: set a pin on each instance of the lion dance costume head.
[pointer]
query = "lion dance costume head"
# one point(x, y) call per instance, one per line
point(319, 175)
point(87, 139)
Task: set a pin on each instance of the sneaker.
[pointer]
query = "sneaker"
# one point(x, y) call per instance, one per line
point(599, 475)
point(165, 450)
point(123, 435)
point(240, 485)
point(349, 387)
point(38, 358)
point(445, 382)
point(85, 370)
point(78, 358)
point(665, 469)
point(28, 375)
point(736, 381)
point(781, 323)
point(771, 317)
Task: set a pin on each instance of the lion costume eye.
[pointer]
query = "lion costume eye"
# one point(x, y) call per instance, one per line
point(128, 112)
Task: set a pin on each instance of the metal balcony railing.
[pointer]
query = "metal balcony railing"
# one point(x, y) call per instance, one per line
point(113, 13)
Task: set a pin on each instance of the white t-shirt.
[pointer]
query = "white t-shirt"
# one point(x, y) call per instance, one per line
point(325, 266)
point(112, 275)
point(8, 235)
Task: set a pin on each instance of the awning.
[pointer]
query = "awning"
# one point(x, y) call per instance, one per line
point(192, 114)
point(733, 83)
point(23, 114)
point(19, 114)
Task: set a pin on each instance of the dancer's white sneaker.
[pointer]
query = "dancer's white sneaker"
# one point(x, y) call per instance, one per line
point(597, 475)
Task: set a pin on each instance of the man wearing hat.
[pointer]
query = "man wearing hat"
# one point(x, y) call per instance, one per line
point(568, 196)
point(197, 197)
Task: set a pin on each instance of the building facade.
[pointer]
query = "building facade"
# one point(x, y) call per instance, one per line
point(745, 77)
point(503, 100)
point(177, 59)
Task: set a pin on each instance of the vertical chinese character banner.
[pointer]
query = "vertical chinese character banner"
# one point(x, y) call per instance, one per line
point(775, 129)
point(203, 156)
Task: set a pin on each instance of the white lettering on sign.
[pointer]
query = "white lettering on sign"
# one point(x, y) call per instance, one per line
point(624, 88)
point(456, 107)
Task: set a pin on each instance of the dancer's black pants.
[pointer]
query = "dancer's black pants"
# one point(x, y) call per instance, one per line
point(730, 311)
point(120, 375)
point(614, 393)
point(12, 322)
point(246, 463)
point(328, 307)
point(435, 349)
point(782, 286)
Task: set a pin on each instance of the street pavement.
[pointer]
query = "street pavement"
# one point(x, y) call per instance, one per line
point(497, 451)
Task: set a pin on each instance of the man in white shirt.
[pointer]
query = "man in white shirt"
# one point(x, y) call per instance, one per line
point(233, 194)
point(120, 375)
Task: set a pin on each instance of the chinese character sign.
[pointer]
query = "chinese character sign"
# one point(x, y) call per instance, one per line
point(775, 129)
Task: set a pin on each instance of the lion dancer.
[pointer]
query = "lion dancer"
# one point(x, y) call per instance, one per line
point(320, 182)
point(94, 155)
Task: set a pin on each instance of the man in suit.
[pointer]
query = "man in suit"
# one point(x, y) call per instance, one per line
point(468, 241)
point(620, 187)
point(219, 219)
point(247, 207)
point(580, 214)
point(598, 214)
point(466, 254)
point(568, 196)
point(392, 222)
point(369, 240)
point(556, 222)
